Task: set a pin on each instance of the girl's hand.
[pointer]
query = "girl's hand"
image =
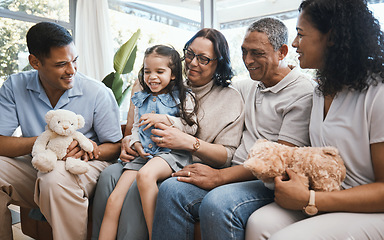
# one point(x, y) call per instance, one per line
point(170, 137)
point(150, 119)
point(127, 154)
point(140, 150)
point(291, 194)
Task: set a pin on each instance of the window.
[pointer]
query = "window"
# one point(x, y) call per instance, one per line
point(16, 17)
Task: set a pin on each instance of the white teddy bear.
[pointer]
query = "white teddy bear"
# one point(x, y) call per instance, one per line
point(52, 144)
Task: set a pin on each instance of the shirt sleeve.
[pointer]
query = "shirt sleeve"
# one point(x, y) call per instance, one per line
point(295, 125)
point(376, 114)
point(8, 117)
point(107, 117)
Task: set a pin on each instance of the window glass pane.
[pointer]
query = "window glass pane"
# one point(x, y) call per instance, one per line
point(54, 9)
point(13, 47)
point(159, 24)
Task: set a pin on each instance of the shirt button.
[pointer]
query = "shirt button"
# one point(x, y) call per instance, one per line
point(150, 145)
point(154, 99)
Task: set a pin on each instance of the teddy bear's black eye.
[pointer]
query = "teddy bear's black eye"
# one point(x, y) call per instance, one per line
point(72, 124)
point(58, 121)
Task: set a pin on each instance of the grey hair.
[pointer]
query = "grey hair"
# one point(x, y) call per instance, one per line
point(275, 29)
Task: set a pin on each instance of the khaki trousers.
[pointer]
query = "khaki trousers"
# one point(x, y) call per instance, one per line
point(274, 223)
point(62, 197)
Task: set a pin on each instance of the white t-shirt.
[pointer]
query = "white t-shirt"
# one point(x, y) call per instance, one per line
point(354, 121)
point(280, 112)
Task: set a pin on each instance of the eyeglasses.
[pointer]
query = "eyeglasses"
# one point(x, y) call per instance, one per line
point(200, 58)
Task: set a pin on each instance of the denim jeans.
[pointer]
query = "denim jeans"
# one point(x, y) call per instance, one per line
point(222, 212)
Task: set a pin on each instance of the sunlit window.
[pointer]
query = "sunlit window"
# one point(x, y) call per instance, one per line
point(161, 22)
point(16, 17)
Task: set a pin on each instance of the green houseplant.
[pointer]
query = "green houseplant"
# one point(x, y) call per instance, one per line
point(123, 62)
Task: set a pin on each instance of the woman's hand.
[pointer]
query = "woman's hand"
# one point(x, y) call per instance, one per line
point(150, 119)
point(200, 175)
point(291, 194)
point(127, 154)
point(170, 137)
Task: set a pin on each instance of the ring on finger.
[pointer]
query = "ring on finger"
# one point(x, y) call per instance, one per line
point(160, 140)
point(189, 174)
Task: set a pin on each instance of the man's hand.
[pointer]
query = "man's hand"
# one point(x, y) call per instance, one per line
point(74, 150)
point(150, 119)
point(200, 175)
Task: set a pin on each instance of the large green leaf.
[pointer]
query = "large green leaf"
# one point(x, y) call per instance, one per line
point(108, 80)
point(123, 54)
point(131, 61)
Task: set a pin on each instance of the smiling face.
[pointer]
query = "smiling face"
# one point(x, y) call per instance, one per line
point(311, 44)
point(197, 73)
point(57, 71)
point(259, 57)
point(157, 73)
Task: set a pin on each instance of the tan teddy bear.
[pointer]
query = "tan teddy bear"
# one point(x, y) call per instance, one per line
point(320, 168)
point(52, 144)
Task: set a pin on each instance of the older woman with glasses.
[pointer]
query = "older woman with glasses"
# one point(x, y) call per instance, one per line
point(220, 116)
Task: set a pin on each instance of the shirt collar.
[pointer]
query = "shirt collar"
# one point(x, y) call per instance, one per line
point(288, 79)
point(139, 98)
point(76, 90)
point(35, 85)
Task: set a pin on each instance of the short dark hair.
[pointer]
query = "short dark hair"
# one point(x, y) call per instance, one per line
point(275, 30)
point(357, 49)
point(224, 72)
point(45, 35)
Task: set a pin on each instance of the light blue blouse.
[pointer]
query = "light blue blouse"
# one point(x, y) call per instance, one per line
point(160, 104)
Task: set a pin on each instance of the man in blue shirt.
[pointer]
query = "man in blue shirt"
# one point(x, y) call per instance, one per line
point(25, 98)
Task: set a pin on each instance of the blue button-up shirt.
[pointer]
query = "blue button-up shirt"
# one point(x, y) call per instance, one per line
point(24, 103)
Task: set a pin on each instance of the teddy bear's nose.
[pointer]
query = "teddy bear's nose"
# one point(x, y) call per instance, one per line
point(65, 127)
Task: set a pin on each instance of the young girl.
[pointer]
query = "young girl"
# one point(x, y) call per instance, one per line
point(163, 100)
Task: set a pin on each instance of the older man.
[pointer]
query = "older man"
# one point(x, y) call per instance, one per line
point(277, 107)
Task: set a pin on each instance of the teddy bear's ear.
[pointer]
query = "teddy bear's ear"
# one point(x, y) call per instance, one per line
point(81, 121)
point(261, 140)
point(49, 116)
point(330, 151)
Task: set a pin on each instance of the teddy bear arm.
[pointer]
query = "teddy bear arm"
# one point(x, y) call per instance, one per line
point(41, 142)
point(84, 143)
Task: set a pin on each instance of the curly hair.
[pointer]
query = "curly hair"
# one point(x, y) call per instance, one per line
point(177, 84)
point(357, 51)
point(224, 72)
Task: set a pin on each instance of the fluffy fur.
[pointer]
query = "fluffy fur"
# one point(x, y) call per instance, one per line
point(52, 144)
point(320, 168)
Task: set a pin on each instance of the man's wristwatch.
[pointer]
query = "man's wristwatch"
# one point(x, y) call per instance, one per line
point(311, 209)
